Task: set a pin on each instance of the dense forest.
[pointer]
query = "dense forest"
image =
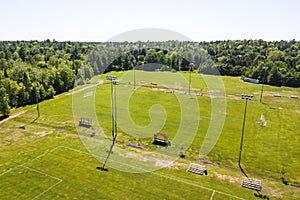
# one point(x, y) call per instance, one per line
point(46, 68)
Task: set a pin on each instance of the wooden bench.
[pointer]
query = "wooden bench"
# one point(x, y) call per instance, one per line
point(252, 184)
point(198, 169)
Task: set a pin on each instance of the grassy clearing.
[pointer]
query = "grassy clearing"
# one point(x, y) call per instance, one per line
point(42, 148)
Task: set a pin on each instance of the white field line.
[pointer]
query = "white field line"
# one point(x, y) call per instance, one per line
point(45, 174)
point(230, 195)
point(9, 170)
point(82, 89)
point(49, 188)
point(37, 171)
point(21, 165)
point(87, 153)
point(172, 178)
point(196, 185)
point(41, 155)
point(87, 87)
point(182, 181)
point(212, 195)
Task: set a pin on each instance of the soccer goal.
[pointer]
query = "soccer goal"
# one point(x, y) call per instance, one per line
point(263, 121)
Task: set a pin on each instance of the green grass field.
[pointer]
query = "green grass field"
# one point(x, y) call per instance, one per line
point(46, 159)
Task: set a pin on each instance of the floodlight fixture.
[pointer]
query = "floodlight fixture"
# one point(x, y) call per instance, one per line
point(110, 77)
point(246, 96)
point(115, 82)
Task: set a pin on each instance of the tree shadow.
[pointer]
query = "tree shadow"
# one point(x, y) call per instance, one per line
point(3, 117)
point(261, 196)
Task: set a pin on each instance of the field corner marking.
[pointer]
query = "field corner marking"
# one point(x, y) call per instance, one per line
point(212, 195)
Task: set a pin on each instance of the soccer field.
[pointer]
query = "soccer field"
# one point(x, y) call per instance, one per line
point(48, 159)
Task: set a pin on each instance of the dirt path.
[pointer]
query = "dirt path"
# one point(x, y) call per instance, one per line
point(12, 116)
point(22, 112)
point(87, 87)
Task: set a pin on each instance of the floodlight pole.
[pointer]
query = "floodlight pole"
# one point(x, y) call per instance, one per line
point(262, 86)
point(190, 77)
point(36, 95)
point(112, 109)
point(113, 83)
point(246, 97)
point(134, 61)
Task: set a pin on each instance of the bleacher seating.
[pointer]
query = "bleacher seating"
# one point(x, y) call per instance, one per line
point(85, 122)
point(198, 169)
point(252, 184)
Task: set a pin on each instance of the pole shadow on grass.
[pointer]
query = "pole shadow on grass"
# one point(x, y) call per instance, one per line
point(24, 126)
point(102, 169)
point(242, 170)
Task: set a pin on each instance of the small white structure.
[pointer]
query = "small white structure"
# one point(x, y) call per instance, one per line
point(294, 97)
point(277, 95)
point(263, 121)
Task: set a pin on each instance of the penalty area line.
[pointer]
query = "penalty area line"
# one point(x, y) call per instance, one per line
point(21, 165)
point(169, 177)
point(212, 195)
point(37, 171)
point(156, 173)
point(49, 188)
point(196, 185)
point(45, 174)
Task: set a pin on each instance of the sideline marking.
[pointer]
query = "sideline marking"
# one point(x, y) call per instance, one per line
point(172, 178)
point(155, 173)
point(45, 174)
point(37, 171)
point(212, 195)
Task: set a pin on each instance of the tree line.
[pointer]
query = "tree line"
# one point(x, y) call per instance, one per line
point(46, 68)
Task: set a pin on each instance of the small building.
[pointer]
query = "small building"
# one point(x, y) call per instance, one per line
point(251, 80)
